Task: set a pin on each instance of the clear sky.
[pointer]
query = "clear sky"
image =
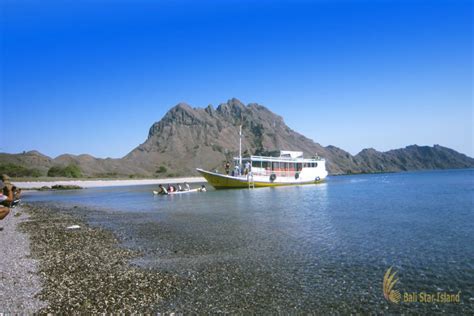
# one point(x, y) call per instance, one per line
point(93, 76)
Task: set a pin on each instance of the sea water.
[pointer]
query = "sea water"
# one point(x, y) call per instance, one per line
point(322, 248)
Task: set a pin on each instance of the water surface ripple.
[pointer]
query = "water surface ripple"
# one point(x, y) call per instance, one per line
point(322, 248)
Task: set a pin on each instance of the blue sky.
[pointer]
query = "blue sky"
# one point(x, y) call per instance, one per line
point(93, 76)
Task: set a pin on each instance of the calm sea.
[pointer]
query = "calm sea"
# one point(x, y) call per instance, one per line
point(321, 248)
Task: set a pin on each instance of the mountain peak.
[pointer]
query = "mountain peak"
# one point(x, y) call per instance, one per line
point(182, 106)
point(366, 151)
point(233, 107)
point(34, 153)
point(182, 113)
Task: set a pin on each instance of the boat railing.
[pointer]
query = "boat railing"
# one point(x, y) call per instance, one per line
point(277, 159)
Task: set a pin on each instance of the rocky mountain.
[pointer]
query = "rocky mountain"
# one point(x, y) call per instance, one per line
point(187, 137)
point(412, 158)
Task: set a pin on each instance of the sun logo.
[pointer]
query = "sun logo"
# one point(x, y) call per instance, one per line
point(389, 282)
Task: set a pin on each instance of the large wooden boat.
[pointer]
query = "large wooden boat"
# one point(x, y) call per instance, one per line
point(290, 168)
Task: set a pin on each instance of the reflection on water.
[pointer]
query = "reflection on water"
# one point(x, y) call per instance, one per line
point(319, 247)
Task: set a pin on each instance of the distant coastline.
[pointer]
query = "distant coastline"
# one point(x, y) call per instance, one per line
point(104, 183)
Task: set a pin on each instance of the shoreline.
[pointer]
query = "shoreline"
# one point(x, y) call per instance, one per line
point(83, 270)
point(105, 183)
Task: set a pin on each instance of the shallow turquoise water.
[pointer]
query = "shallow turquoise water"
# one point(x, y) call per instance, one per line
point(318, 248)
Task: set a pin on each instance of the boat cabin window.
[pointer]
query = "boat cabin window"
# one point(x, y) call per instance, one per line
point(276, 166)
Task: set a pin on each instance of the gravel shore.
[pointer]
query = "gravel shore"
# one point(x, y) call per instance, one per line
point(19, 279)
point(83, 270)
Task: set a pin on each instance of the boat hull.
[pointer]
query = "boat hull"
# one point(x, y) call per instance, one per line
point(220, 181)
point(177, 192)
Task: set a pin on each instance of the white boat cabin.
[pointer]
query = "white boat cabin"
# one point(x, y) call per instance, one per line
point(289, 164)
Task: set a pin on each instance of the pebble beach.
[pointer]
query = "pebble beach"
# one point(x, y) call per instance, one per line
point(19, 279)
point(59, 270)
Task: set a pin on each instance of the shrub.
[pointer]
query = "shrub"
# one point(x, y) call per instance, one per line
point(14, 170)
point(70, 171)
point(55, 171)
point(162, 169)
point(73, 171)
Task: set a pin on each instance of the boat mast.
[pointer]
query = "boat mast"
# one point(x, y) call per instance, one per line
point(240, 147)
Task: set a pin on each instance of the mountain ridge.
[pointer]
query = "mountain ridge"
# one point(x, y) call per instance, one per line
point(188, 137)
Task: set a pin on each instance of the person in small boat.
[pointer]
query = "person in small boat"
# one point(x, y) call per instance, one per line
point(180, 188)
point(171, 188)
point(227, 168)
point(202, 188)
point(162, 190)
point(186, 186)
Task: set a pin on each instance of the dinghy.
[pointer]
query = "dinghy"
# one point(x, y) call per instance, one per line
point(177, 192)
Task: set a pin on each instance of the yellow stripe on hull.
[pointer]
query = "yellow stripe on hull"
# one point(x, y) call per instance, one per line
point(219, 181)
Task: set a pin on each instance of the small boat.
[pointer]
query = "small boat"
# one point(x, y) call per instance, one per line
point(178, 192)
